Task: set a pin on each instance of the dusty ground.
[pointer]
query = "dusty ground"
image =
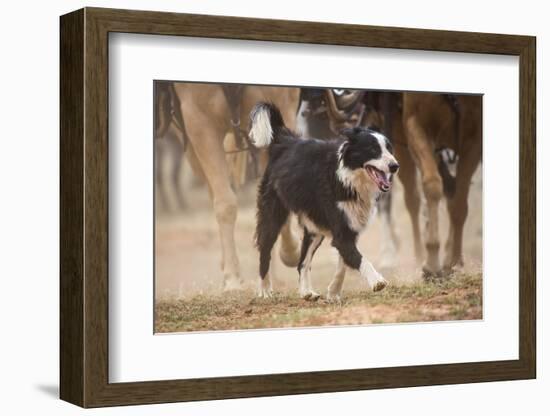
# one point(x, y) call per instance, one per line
point(459, 297)
point(188, 277)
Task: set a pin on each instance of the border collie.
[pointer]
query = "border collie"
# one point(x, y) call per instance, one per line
point(331, 186)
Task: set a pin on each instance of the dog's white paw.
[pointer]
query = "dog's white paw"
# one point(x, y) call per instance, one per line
point(379, 283)
point(310, 295)
point(374, 279)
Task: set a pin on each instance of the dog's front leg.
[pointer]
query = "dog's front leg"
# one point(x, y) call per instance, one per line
point(353, 259)
point(375, 280)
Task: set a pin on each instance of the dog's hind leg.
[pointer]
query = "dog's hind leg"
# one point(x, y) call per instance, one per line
point(310, 244)
point(334, 292)
point(272, 215)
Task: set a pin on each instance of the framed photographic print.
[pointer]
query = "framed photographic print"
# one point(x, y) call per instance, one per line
point(254, 207)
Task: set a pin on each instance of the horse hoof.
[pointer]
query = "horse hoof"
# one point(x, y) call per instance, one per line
point(334, 298)
point(429, 275)
point(265, 294)
point(310, 296)
point(232, 283)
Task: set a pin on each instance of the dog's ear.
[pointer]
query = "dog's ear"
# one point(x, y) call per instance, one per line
point(351, 134)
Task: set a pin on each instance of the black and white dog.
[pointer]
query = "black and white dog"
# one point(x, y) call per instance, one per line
point(331, 186)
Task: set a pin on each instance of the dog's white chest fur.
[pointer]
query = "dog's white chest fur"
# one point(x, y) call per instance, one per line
point(359, 211)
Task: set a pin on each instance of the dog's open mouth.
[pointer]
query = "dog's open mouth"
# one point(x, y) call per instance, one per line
point(381, 179)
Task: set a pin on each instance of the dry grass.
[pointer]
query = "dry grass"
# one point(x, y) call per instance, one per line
point(456, 298)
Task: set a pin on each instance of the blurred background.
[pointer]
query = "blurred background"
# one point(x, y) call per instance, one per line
point(187, 244)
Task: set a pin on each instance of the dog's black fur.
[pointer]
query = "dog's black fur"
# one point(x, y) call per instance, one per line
point(301, 177)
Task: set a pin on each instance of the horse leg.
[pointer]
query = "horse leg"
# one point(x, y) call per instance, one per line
point(407, 176)
point(310, 244)
point(389, 238)
point(334, 292)
point(432, 185)
point(289, 250)
point(388, 106)
point(457, 206)
point(160, 159)
point(196, 167)
point(206, 139)
point(178, 152)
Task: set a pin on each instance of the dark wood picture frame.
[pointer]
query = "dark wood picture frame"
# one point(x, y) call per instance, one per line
point(84, 207)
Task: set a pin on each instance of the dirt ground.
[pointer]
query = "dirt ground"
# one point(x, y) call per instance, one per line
point(457, 298)
point(188, 275)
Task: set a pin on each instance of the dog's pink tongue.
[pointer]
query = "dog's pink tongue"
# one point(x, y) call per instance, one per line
point(382, 178)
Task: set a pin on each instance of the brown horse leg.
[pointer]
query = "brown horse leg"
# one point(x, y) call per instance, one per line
point(388, 249)
point(289, 252)
point(176, 173)
point(196, 167)
point(206, 139)
point(432, 185)
point(407, 176)
point(458, 206)
point(163, 203)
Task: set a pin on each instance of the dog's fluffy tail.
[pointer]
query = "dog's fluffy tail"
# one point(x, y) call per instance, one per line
point(266, 122)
